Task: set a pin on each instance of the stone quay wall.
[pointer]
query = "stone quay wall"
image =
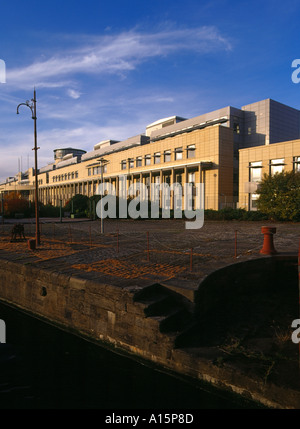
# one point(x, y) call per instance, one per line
point(114, 315)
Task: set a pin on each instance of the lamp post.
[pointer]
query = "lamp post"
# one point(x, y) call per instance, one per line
point(32, 106)
point(103, 162)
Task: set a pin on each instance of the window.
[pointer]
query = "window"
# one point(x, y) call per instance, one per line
point(191, 178)
point(236, 127)
point(139, 161)
point(89, 172)
point(76, 174)
point(167, 156)
point(72, 175)
point(249, 131)
point(276, 166)
point(191, 151)
point(253, 201)
point(178, 153)
point(297, 163)
point(178, 178)
point(157, 158)
point(147, 159)
point(123, 164)
point(255, 171)
point(130, 162)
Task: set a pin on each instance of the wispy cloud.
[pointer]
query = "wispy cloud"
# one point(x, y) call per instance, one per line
point(119, 54)
point(73, 94)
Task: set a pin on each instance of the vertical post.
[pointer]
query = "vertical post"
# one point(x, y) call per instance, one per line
point(70, 233)
point(235, 244)
point(94, 210)
point(37, 230)
point(60, 210)
point(2, 208)
point(101, 220)
point(148, 255)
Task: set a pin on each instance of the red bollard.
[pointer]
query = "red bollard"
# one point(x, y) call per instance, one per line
point(268, 246)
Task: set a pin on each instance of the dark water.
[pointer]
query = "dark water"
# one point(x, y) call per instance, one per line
point(42, 367)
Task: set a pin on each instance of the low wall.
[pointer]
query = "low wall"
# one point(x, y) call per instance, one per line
point(98, 311)
point(115, 316)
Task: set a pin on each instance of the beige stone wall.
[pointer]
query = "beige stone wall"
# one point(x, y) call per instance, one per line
point(213, 144)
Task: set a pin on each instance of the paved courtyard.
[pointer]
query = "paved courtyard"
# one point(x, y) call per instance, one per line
point(143, 251)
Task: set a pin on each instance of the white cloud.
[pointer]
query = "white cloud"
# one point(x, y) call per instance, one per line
point(73, 94)
point(116, 54)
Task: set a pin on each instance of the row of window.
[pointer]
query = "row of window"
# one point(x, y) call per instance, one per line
point(275, 166)
point(93, 171)
point(66, 176)
point(158, 157)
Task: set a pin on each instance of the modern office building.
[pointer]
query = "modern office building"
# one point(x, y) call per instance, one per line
point(257, 161)
point(215, 149)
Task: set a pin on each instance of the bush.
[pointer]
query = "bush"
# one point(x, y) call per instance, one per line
point(229, 213)
point(80, 205)
point(279, 196)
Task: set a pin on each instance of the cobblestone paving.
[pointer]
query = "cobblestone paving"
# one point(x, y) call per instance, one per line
point(157, 250)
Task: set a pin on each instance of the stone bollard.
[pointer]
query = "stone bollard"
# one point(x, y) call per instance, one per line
point(268, 246)
point(31, 244)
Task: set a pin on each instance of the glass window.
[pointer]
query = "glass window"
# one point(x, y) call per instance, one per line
point(178, 178)
point(255, 171)
point(276, 166)
point(131, 162)
point(167, 156)
point(191, 151)
point(89, 172)
point(123, 164)
point(157, 158)
point(297, 163)
point(236, 127)
point(147, 159)
point(253, 202)
point(178, 153)
point(191, 178)
point(139, 161)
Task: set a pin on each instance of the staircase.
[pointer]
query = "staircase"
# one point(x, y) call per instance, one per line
point(170, 310)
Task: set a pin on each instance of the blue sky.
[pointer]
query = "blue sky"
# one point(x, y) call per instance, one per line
point(105, 70)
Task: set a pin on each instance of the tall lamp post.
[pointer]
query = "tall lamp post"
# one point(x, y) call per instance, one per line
point(32, 106)
point(103, 162)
